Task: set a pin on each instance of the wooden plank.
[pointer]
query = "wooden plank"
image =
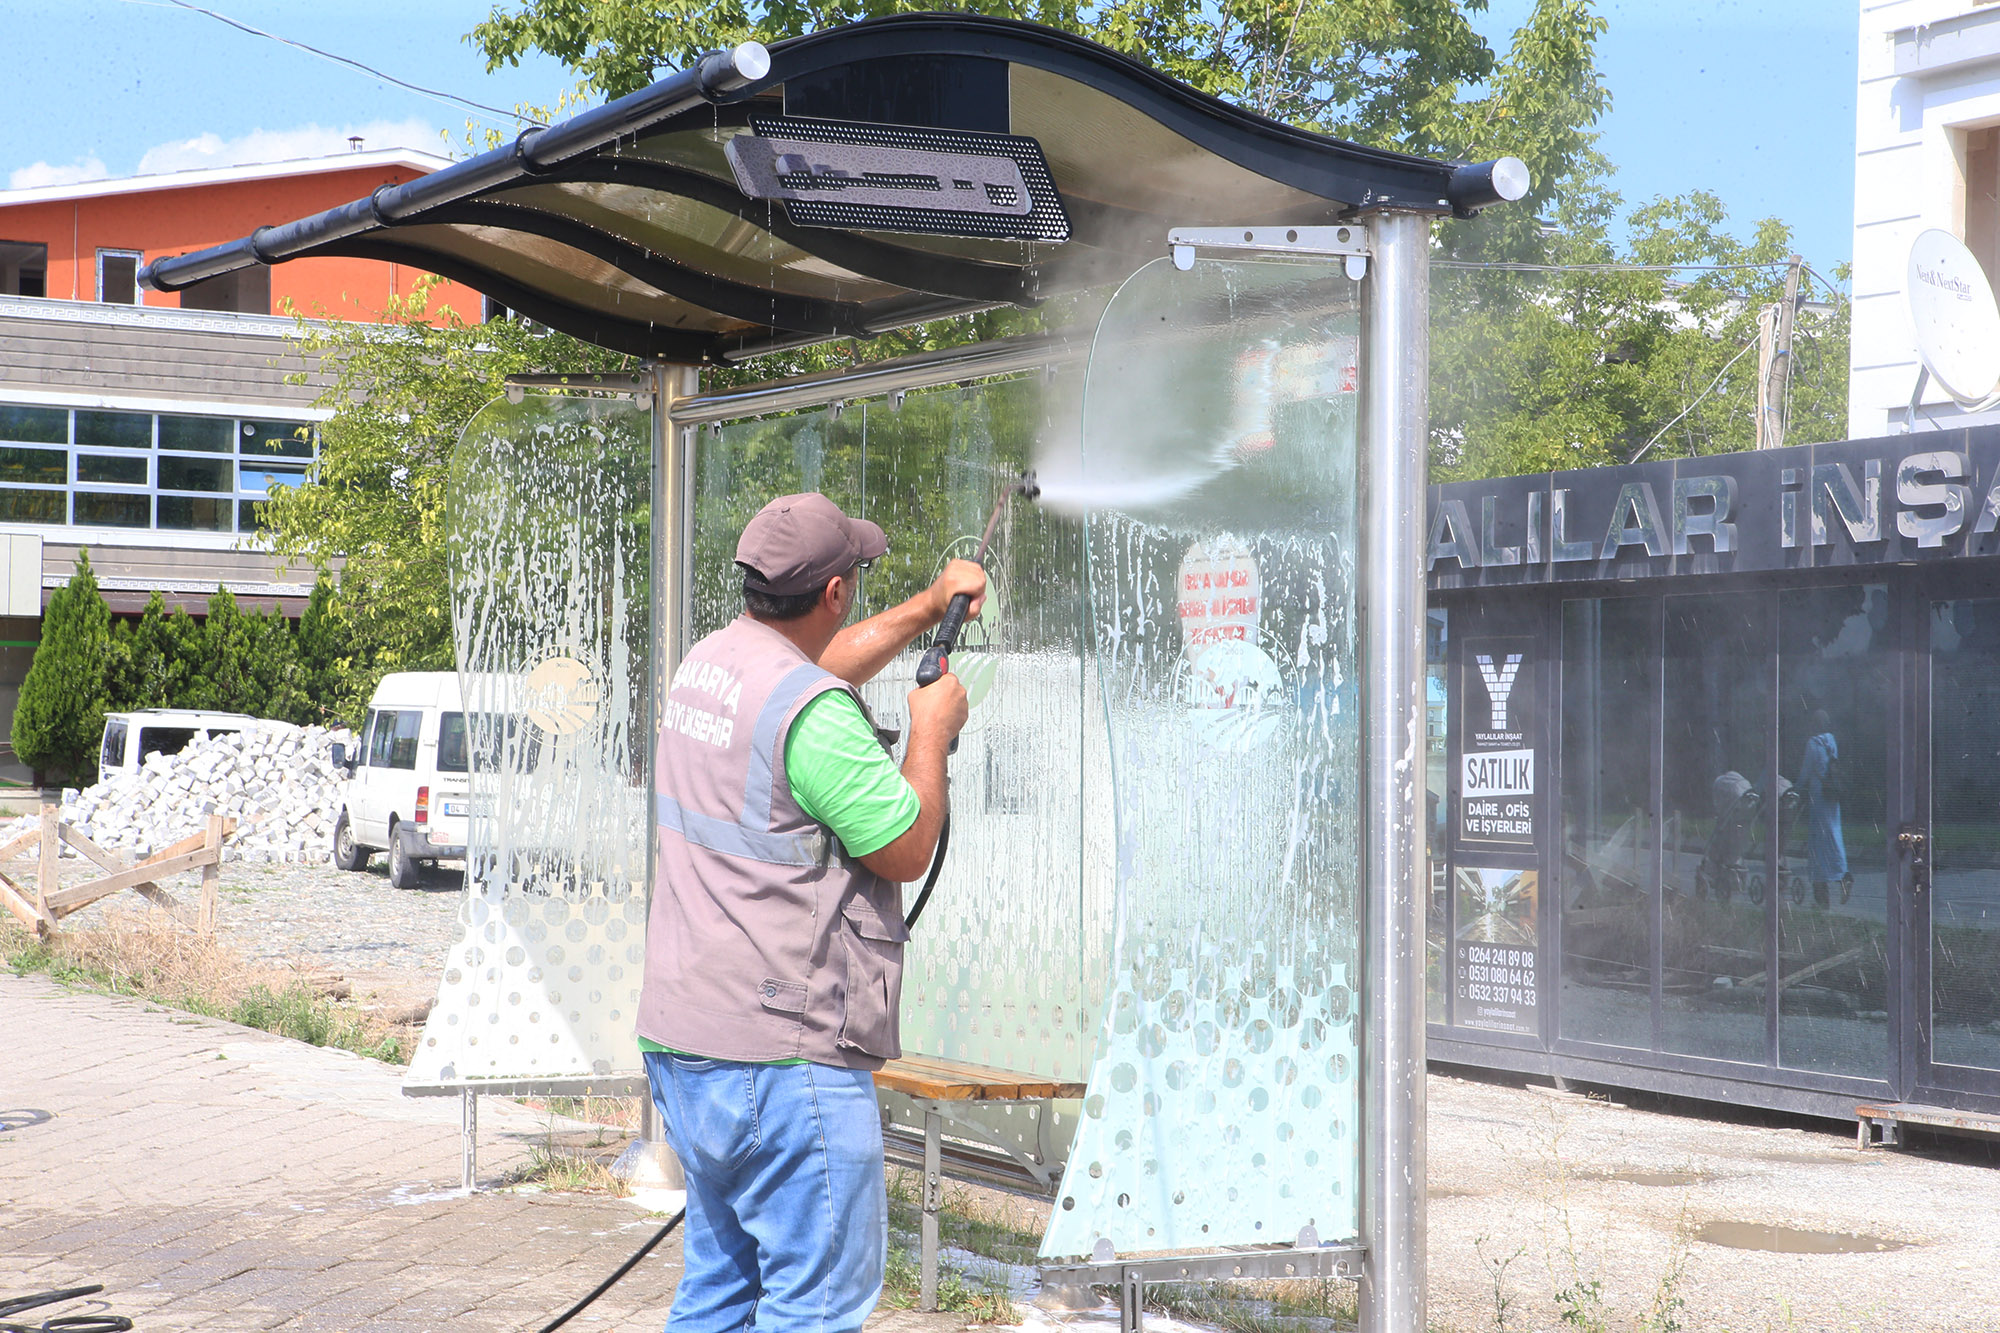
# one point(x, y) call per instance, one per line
point(45, 872)
point(166, 902)
point(1032, 1085)
point(21, 844)
point(108, 860)
point(211, 876)
point(950, 1081)
point(13, 901)
point(1941, 1117)
point(82, 895)
point(896, 1079)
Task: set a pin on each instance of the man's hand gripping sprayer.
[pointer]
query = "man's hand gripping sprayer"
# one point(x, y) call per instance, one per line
point(936, 662)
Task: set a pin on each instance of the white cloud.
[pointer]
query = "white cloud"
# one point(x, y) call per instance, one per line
point(45, 173)
point(314, 140)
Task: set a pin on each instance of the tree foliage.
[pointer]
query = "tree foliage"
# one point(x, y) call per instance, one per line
point(59, 718)
point(374, 503)
point(1576, 365)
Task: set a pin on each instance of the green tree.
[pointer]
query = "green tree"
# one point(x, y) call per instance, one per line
point(59, 719)
point(401, 396)
point(151, 658)
point(319, 650)
point(248, 663)
point(1601, 360)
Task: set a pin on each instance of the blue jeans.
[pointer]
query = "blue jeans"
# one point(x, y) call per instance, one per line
point(787, 1217)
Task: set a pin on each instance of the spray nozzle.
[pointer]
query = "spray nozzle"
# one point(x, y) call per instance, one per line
point(1029, 488)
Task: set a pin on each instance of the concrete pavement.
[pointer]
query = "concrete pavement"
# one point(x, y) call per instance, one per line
point(220, 1178)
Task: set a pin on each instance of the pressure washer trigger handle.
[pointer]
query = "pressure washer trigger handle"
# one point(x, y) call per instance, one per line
point(933, 666)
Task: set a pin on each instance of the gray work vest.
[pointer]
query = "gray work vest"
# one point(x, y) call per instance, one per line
point(766, 941)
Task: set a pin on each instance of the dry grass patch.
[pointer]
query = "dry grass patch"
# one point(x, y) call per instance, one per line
point(146, 955)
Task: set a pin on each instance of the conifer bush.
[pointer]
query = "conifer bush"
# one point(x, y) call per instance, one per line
point(59, 718)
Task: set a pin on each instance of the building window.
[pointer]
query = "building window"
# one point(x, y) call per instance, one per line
point(1982, 198)
point(118, 276)
point(24, 268)
point(107, 468)
point(98, 510)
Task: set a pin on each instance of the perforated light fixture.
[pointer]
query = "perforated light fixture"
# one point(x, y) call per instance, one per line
point(900, 178)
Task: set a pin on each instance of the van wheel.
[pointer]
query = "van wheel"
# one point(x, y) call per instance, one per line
point(403, 872)
point(347, 853)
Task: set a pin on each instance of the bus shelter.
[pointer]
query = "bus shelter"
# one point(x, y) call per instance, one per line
point(1186, 858)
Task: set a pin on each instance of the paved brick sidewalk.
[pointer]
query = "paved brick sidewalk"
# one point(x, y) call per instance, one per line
point(216, 1177)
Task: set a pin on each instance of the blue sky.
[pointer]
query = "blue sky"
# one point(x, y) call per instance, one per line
point(1752, 99)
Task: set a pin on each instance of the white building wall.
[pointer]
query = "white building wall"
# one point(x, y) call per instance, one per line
point(1929, 70)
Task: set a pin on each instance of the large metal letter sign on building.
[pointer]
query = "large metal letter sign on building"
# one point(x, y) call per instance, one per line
point(1216, 939)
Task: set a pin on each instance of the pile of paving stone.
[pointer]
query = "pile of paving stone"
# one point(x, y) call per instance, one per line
point(277, 781)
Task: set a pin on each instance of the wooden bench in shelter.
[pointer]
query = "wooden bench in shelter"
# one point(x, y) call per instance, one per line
point(942, 1090)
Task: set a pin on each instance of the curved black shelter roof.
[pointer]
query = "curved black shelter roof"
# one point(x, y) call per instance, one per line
point(848, 182)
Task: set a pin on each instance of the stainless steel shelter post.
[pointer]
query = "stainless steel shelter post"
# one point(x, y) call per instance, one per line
point(649, 1161)
point(1394, 444)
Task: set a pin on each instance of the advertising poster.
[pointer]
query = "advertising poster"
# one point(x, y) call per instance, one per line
point(1497, 764)
point(1495, 947)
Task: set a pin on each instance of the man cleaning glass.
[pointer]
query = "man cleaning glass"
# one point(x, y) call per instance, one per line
point(774, 949)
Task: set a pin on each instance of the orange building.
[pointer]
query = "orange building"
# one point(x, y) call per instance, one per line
point(87, 242)
point(145, 427)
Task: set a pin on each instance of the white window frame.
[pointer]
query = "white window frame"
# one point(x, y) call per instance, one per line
point(138, 258)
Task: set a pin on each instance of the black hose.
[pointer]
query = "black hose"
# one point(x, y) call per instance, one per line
point(617, 1273)
point(930, 880)
point(71, 1323)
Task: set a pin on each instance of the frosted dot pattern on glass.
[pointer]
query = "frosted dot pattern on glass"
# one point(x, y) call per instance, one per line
point(1222, 1103)
point(549, 508)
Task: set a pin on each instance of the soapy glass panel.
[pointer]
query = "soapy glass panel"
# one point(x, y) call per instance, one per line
point(550, 506)
point(1837, 682)
point(1007, 961)
point(1218, 458)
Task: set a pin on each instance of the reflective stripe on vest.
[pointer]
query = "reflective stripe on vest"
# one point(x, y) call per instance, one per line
point(764, 741)
point(719, 835)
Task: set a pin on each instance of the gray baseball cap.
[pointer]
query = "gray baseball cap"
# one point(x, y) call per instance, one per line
point(797, 542)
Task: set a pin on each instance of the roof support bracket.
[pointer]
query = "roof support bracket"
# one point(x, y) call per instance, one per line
point(1348, 241)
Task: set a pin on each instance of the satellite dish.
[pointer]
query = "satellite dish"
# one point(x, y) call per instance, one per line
point(1956, 322)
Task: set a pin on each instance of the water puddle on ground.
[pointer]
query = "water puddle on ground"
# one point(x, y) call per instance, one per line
point(1655, 1179)
point(1790, 1240)
point(1831, 1157)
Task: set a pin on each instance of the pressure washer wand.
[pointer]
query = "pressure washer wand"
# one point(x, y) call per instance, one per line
point(934, 663)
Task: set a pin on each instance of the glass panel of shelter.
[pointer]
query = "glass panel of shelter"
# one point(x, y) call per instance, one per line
point(1268, 1017)
point(929, 469)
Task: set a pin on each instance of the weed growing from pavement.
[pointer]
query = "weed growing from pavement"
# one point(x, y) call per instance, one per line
point(568, 1170)
point(1582, 1298)
point(140, 955)
point(1286, 1305)
point(1502, 1302)
point(968, 1224)
point(982, 1301)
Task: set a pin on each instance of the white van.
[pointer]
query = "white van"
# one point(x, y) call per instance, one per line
point(408, 786)
point(129, 738)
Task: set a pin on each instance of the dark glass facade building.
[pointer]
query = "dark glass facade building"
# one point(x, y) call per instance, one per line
point(1715, 774)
